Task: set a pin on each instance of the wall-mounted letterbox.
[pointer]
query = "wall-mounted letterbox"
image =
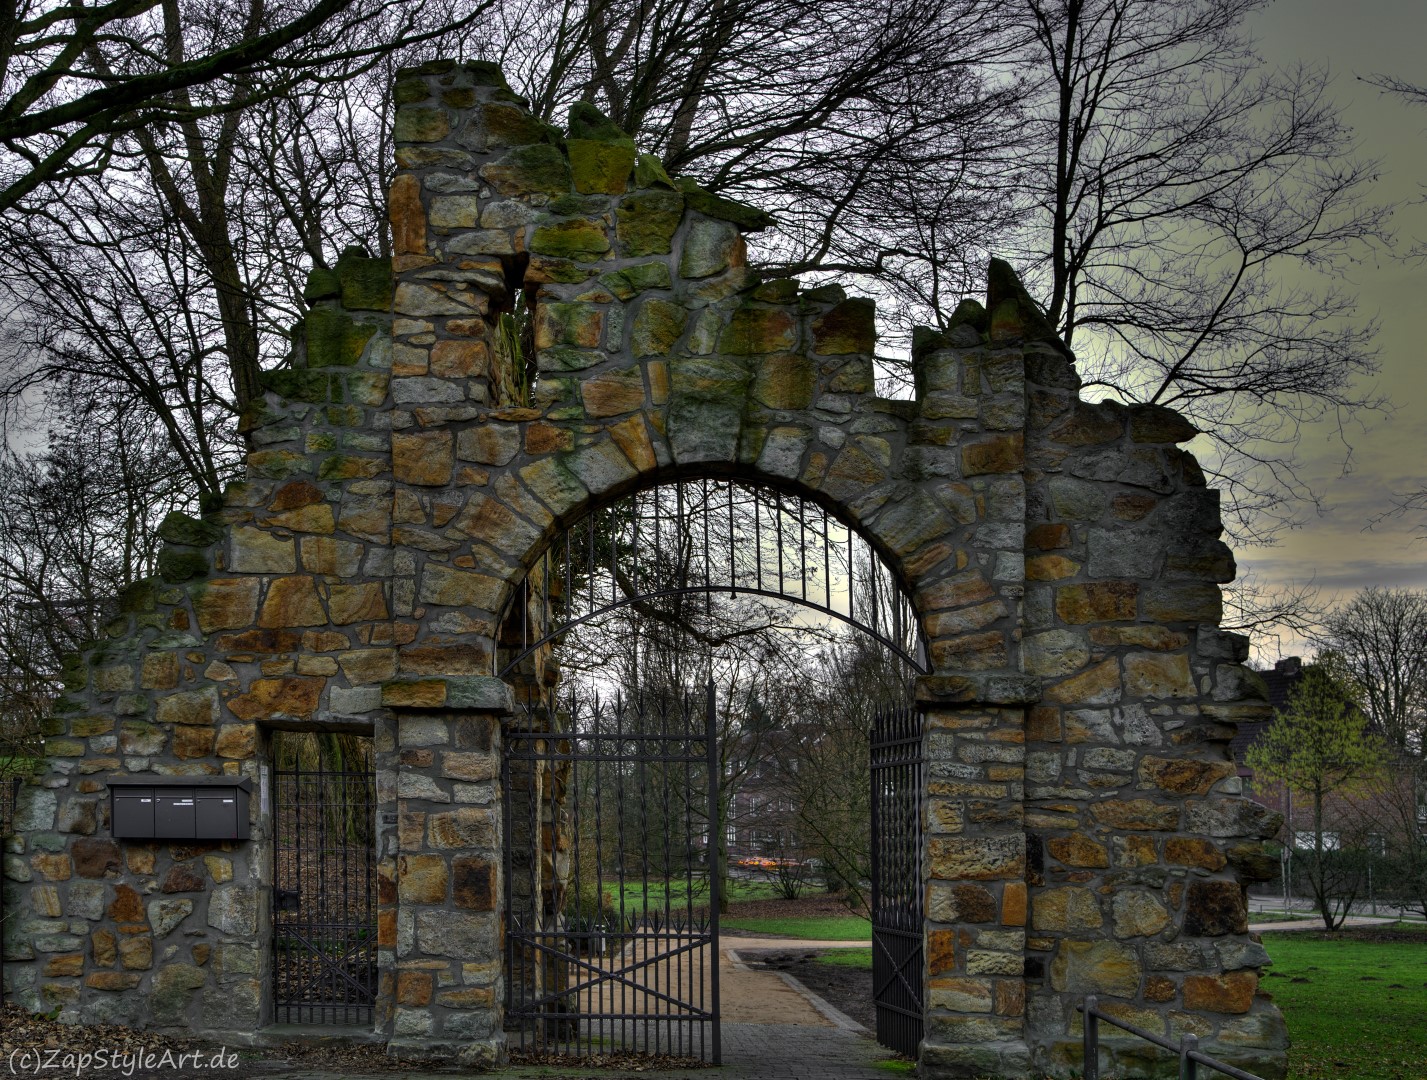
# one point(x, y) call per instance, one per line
point(179, 807)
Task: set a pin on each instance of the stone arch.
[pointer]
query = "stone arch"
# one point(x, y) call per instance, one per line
point(1085, 830)
point(892, 619)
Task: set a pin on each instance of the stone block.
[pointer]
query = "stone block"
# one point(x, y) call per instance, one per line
point(1232, 992)
point(468, 827)
point(424, 458)
point(1159, 675)
point(422, 879)
point(474, 883)
point(1137, 913)
point(1070, 908)
point(225, 603)
point(1095, 967)
point(1136, 814)
point(1214, 908)
point(978, 858)
point(458, 935)
point(646, 221)
point(166, 915)
point(1078, 850)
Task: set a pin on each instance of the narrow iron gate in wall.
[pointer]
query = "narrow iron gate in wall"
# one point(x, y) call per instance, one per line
point(897, 899)
point(324, 889)
point(611, 878)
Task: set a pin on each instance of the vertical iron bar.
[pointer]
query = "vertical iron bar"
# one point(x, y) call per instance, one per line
point(1091, 1050)
point(778, 521)
point(1188, 1067)
point(714, 779)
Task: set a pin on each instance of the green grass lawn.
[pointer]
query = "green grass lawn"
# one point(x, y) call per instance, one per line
point(1354, 1008)
point(829, 928)
point(852, 958)
point(636, 898)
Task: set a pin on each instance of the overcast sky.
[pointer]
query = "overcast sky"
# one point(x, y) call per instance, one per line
point(1365, 37)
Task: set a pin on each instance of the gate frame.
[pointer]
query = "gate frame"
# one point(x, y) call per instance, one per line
point(899, 735)
point(294, 1010)
point(564, 746)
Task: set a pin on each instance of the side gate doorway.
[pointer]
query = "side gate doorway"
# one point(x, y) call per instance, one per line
point(897, 951)
point(612, 877)
point(324, 880)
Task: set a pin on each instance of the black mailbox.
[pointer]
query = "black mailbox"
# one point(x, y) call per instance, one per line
point(180, 807)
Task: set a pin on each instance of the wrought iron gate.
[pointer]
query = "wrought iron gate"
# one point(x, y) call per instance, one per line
point(611, 878)
point(324, 895)
point(896, 739)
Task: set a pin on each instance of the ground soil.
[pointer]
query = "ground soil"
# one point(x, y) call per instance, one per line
point(812, 905)
point(20, 1031)
point(1382, 935)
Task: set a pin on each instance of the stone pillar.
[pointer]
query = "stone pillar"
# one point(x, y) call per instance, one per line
point(442, 924)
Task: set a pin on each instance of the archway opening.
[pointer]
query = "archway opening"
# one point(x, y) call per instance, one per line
point(703, 668)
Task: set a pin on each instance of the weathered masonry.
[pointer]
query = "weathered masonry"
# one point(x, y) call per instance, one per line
point(1084, 829)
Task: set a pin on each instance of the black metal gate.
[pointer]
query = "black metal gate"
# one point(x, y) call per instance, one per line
point(611, 878)
point(324, 894)
point(897, 884)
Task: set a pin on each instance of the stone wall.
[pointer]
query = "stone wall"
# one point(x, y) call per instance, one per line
point(1083, 825)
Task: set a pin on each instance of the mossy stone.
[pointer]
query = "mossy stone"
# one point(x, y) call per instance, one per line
point(366, 282)
point(420, 123)
point(525, 170)
point(183, 529)
point(748, 218)
point(508, 125)
point(485, 73)
point(333, 339)
point(777, 291)
point(657, 328)
point(587, 122)
point(636, 279)
point(577, 205)
point(322, 284)
point(297, 384)
point(580, 238)
point(600, 167)
point(410, 91)
point(648, 171)
point(178, 566)
point(850, 327)
point(754, 331)
point(139, 595)
point(647, 220)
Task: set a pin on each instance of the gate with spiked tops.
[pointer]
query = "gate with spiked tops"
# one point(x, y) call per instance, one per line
point(897, 916)
point(612, 884)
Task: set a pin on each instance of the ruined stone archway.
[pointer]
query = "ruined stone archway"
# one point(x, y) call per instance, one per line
point(1084, 830)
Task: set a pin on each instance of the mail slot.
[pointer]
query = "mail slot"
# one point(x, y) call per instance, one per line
point(180, 808)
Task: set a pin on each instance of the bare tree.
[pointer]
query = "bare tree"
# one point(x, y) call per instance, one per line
point(78, 521)
point(826, 766)
point(77, 80)
point(1189, 215)
point(1378, 641)
point(1319, 746)
point(1393, 810)
point(169, 282)
point(822, 113)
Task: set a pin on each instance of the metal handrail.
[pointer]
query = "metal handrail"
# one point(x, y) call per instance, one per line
point(1190, 1057)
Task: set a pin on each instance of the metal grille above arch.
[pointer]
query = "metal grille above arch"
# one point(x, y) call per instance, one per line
point(710, 536)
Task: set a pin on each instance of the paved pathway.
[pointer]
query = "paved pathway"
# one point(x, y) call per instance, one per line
point(1316, 923)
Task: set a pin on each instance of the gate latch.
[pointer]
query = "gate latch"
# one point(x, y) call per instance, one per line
point(286, 900)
